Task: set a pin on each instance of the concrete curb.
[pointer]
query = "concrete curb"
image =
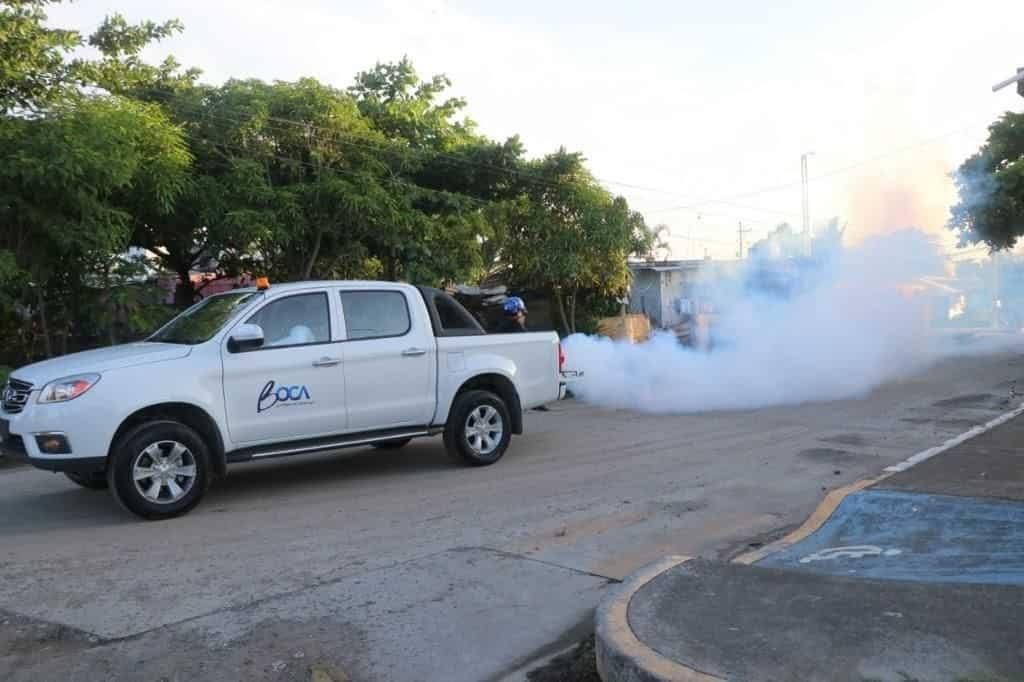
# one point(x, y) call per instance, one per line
point(815, 521)
point(621, 656)
point(834, 498)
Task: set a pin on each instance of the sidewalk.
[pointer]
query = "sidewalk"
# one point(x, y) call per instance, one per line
point(915, 575)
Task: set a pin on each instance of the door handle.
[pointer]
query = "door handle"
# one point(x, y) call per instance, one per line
point(413, 352)
point(327, 362)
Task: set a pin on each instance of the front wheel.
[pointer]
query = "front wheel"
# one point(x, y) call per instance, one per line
point(478, 429)
point(159, 470)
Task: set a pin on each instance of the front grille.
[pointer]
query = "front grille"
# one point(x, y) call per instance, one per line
point(15, 396)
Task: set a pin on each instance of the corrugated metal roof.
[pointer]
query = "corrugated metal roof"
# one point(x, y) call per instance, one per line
point(666, 265)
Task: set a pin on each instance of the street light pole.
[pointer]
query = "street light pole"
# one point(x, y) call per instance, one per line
point(1018, 79)
point(806, 201)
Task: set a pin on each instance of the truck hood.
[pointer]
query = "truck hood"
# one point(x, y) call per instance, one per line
point(99, 361)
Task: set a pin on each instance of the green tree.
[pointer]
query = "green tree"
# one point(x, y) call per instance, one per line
point(569, 236)
point(450, 175)
point(401, 106)
point(61, 180)
point(991, 188)
point(70, 154)
point(33, 65)
point(36, 67)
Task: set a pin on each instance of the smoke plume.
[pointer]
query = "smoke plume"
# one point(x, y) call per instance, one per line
point(835, 327)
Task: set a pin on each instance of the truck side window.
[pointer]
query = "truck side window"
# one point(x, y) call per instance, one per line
point(375, 314)
point(453, 317)
point(295, 320)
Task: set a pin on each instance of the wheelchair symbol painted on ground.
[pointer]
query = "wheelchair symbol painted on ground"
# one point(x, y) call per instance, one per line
point(849, 552)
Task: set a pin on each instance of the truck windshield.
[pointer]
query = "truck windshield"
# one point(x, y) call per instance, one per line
point(200, 322)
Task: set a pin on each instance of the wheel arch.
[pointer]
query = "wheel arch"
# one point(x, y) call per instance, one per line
point(188, 414)
point(501, 386)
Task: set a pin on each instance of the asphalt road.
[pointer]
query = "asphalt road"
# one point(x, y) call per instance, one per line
point(401, 566)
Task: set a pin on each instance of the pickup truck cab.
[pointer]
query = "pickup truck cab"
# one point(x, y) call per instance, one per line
point(276, 371)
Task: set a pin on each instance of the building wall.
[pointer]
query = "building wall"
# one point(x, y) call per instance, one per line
point(657, 294)
point(671, 291)
point(676, 286)
point(645, 295)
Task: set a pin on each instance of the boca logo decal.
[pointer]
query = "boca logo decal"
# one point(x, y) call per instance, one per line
point(272, 395)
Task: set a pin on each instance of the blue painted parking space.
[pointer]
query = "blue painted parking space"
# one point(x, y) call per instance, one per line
point(892, 535)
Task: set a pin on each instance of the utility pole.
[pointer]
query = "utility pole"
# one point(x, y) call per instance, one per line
point(1018, 79)
point(689, 237)
point(806, 202)
point(740, 232)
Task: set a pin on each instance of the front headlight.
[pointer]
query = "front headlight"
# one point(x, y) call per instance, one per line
point(68, 388)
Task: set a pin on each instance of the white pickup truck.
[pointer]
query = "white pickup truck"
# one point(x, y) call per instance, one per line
point(274, 371)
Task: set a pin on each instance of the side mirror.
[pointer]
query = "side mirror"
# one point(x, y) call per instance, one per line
point(245, 337)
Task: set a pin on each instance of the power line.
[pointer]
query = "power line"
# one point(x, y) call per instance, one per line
point(381, 146)
point(368, 142)
point(828, 174)
point(340, 171)
point(217, 115)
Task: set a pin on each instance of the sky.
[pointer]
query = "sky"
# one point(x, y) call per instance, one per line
point(696, 112)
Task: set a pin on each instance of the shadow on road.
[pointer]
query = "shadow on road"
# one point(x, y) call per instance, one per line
point(73, 508)
point(29, 509)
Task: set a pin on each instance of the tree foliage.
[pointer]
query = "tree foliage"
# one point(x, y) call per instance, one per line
point(990, 184)
point(115, 172)
point(568, 235)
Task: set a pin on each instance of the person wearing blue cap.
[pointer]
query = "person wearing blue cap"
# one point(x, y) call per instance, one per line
point(514, 319)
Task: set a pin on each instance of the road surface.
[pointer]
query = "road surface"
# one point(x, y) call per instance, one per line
point(401, 566)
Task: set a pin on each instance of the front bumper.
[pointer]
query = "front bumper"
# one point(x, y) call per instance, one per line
point(16, 448)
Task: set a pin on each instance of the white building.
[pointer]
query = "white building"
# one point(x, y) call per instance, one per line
point(663, 290)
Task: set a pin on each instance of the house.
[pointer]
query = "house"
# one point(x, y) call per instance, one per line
point(669, 292)
point(659, 286)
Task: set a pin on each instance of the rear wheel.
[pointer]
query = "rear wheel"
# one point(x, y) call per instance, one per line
point(478, 429)
point(395, 444)
point(92, 481)
point(159, 470)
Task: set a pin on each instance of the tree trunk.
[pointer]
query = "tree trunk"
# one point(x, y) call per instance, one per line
point(572, 313)
point(391, 268)
point(111, 306)
point(307, 271)
point(65, 336)
point(184, 293)
point(44, 326)
point(112, 328)
point(560, 309)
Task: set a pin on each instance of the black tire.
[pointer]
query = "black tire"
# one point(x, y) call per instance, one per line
point(159, 437)
point(456, 440)
point(395, 444)
point(93, 481)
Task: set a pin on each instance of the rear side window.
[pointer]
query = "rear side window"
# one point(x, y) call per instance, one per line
point(375, 314)
point(453, 317)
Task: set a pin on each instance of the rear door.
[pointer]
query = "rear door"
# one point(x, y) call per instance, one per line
point(390, 360)
point(294, 386)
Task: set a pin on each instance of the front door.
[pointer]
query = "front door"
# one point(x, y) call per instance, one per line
point(294, 385)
